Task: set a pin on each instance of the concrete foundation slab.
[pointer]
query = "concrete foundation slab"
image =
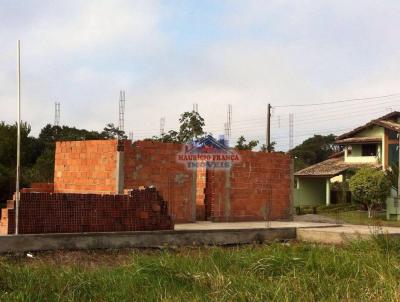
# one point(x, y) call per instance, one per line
point(200, 233)
point(152, 239)
point(207, 225)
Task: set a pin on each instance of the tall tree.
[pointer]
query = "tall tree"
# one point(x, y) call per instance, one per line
point(191, 127)
point(112, 131)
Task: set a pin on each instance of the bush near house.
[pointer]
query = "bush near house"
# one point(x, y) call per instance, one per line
point(370, 187)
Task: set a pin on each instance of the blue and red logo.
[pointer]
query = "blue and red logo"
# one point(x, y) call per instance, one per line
point(208, 152)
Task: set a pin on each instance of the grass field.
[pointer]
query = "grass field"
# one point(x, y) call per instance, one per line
point(361, 217)
point(350, 214)
point(363, 271)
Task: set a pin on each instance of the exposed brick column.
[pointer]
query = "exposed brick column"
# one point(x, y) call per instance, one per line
point(119, 169)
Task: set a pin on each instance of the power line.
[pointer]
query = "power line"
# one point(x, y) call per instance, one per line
point(336, 102)
point(300, 118)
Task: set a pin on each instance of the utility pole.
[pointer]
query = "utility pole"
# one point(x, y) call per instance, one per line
point(17, 195)
point(268, 134)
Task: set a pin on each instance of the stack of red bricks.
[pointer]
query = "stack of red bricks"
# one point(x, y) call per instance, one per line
point(142, 210)
point(85, 166)
point(5, 217)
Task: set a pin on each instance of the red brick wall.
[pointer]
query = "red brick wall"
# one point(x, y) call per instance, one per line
point(153, 163)
point(142, 210)
point(257, 188)
point(85, 166)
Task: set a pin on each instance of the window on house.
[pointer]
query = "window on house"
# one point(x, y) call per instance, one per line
point(393, 153)
point(369, 150)
point(392, 135)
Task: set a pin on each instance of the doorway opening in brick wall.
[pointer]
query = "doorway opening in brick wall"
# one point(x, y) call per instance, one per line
point(201, 177)
point(205, 194)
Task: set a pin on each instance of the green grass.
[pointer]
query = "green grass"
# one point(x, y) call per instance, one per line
point(363, 271)
point(350, 214)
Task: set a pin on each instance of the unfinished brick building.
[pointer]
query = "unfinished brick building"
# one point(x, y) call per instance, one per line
point(94, 179)
point(256, 188)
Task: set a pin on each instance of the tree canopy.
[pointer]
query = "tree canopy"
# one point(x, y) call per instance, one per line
point(191, 127)
point(313, 150)
point(242, 145)
point(370, 187)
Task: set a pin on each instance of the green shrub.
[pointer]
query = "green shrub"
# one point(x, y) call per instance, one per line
point(370, 187)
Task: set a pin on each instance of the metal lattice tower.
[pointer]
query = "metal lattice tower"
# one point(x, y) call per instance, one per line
point(57, 114)
point(162, 126)
point(290, 131)
point(228, 124)
point(121, 110)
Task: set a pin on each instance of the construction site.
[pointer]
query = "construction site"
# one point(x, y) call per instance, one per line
point(118, 186)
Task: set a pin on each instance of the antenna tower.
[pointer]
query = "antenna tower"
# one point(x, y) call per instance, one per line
point(121, 110)
point(228, 124)
point(57, 114)
point(162, 126)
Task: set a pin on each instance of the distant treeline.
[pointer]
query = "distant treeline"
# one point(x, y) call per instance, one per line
point(37, 153)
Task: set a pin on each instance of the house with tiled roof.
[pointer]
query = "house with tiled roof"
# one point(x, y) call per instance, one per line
point(374, 144)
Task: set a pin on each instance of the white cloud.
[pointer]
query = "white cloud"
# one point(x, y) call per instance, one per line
point(82, 53)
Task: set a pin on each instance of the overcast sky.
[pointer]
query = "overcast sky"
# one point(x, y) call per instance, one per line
point(168, 55)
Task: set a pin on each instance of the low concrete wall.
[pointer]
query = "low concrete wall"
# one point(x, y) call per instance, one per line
point(149, 239)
